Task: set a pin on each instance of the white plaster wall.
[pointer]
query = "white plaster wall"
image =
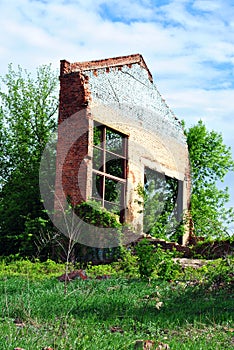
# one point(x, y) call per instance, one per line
point(127, 101)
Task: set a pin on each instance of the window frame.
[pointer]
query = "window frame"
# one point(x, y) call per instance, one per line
point(177, 195)
point(102, 171)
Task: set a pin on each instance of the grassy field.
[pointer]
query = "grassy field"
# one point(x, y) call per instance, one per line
point(112, 313)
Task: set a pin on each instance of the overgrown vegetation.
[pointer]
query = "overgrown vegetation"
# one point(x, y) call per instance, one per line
point(155, 261)
point(93, 213)
point(210, 161)
point(142, 294)
point(28, 105)
point(213, 248)
point(194, 311)
point(27, 118)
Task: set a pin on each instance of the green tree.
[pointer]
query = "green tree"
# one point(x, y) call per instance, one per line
point(158, 202)
point(27, 118)
point(210, 161)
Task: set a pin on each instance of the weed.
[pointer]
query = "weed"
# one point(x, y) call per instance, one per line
point(146, 258)
point(156, 262)
point(112, 314)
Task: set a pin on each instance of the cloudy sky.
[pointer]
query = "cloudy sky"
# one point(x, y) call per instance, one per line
point(188, 46)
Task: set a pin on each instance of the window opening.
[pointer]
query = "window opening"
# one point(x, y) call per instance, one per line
point(163, 204)
point(109, 168)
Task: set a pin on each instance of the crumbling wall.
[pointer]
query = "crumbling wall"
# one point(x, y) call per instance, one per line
point(125, 99)
point(73, 139)
point(119, 93)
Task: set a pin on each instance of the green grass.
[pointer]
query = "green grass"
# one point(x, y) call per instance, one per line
point(190, 317)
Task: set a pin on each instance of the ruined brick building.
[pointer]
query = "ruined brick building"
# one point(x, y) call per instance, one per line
point(117, 135)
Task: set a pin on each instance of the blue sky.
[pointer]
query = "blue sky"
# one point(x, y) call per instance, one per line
point(187, 45)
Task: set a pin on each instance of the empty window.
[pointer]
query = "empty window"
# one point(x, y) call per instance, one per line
point(109, 168)
point(163, 204)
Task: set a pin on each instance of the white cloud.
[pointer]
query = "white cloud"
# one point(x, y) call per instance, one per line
point(188, 45)
point(207, 5)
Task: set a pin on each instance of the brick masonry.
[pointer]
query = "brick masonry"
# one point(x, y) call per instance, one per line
point(120, 93)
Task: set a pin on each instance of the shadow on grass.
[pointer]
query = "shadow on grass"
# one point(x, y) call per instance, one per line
point(118, 301)
point(180, 305)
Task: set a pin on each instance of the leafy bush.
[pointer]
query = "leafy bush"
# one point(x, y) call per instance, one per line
point(146, 258)
point(128, 262)
point(93, 213)
point(166, 268)
point(101, 270)
point(215, 274)
point(220, 272)
point(34, 270)
point(213, 249)
point(156, 262)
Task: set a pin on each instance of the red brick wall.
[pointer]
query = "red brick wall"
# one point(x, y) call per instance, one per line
point(73, 165)
point(67, 67)
point(73, 135)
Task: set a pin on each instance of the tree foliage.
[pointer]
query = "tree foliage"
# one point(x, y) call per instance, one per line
point(160, 197)
point(210, 161)
point(28, 104)
point(27, 118)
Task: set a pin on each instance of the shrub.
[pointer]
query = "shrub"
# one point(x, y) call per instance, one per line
point(220, 272)
point(34, 270)
point(156, 262)
point(128, 262)
point(146, 258)
point(93, 213)
point(166, 268)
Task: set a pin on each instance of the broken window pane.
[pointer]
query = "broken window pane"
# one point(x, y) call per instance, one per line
point(97, 135)
point(98, 159)
point(112, 190)
point(109, 160)
point(114, 165)
point(113, 207)
point(114, 142)
point(97, 190)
